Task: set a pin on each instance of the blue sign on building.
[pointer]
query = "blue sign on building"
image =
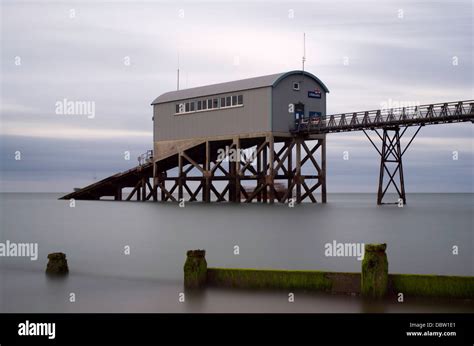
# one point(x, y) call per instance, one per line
point(315, 94)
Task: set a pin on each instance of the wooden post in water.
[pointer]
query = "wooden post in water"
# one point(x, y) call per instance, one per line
point(57, 264)
point(195, 269)
point(374, 277)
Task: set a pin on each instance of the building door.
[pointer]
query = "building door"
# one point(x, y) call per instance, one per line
point(299, 111)
point(299, 114)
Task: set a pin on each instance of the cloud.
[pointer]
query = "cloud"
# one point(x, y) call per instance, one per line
point(56, 131)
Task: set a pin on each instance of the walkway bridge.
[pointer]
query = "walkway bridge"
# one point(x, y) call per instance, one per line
point(389, 121)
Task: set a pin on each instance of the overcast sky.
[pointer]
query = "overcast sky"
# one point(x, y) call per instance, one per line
point(121, 55)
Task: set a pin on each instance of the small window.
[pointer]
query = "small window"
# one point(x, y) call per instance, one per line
point(177, 108)
point(192, 106)
point(204, 104)
point(296, 86)
point(222, 102)
point(215, 103)
point(234, 100)
point(188, 105)
point(240, 100)
point(209, 104)
point(199, 105)
point(228, 100)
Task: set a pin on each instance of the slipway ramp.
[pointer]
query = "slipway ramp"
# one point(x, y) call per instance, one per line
point(112, 186)
point(137, 178)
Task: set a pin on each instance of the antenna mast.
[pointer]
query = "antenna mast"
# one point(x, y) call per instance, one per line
point(304, 50)
point(177, 79)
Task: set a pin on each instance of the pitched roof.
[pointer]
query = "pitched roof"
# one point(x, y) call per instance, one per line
point(238, 85)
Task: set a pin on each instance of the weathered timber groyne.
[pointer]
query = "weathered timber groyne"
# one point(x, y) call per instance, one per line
point(374, 281)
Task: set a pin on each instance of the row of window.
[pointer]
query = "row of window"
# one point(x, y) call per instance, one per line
point(209, 104)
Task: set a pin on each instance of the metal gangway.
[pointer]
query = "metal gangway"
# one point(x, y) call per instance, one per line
point(435, 113)
point(389, 121)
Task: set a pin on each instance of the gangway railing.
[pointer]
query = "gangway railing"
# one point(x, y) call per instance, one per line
point(435, 113)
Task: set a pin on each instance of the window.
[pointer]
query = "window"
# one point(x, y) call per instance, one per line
point(296, 86)
point(209, 104)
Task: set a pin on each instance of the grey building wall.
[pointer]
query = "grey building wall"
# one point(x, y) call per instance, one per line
point(283, 94)
point(252, 117)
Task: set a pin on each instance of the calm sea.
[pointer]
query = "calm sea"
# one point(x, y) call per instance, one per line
point(95, 235)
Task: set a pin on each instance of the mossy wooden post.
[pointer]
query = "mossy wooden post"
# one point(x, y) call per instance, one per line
point(57, 264)
point(374, 278)
point(195, 269)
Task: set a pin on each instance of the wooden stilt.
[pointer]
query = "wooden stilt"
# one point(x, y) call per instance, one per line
point(298, 171)
point(322, 177)
point(180, 177)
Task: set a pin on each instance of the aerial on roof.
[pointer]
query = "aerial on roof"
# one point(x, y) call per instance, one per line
point(238, 85)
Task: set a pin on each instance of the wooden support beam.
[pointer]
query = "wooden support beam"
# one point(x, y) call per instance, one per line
point(265, 172)
point(192, 162)
point(155, 182)
point(309, 191)
point(168, 194)
point(248, 161)
point(290, 184)
point(237, 171)
point(139, 185)
point(298, 170)
point(257, 191)
point(118, 193)
point(180, 177)
point(271, 182)
point(130, 196)
point(232, 177)
point(150, 189)
point(193, 195)
point(144, 189)
point(281, 160)
point(322, 174)
point(259, 171)
point(206, 193)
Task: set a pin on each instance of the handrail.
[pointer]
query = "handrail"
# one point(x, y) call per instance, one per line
point(145, 158)
point(402, 116)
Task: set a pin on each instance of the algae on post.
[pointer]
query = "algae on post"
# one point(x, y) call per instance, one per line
point(374, 278)
point(195, 269)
